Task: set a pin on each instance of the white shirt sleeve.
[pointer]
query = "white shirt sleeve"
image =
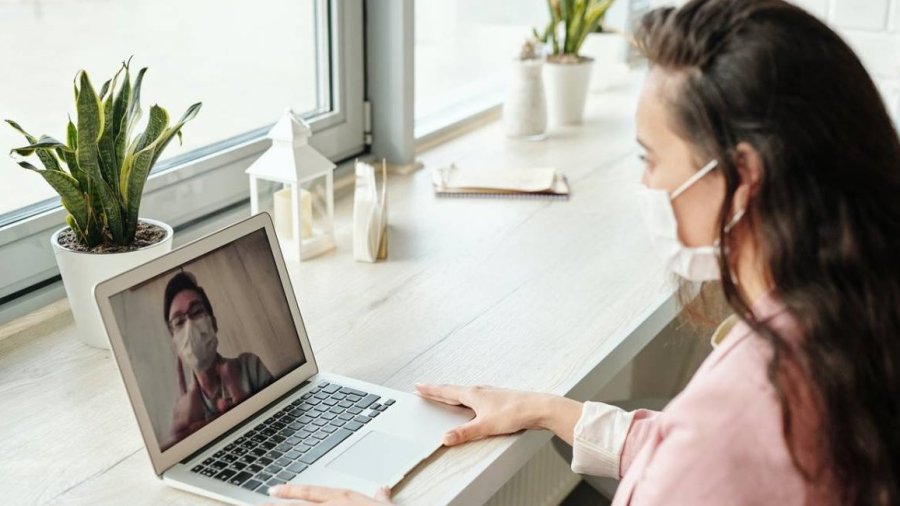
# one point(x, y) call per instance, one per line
point(599, 438)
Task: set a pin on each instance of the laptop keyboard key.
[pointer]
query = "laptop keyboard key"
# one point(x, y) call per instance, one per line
point(366, 401)
point(389, 402)
point(325, 446)
point(351, 391)
point(332, 388)
point(362, 419)
point(252, 484)
point(225, 475)
point(286, 475)
point(354, 426)
point(240, 478)
point(297, 467)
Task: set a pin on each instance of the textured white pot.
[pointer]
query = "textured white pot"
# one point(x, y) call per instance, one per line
point(608, 51)
point(566, 87)
point(81, 271)
point(525, 108)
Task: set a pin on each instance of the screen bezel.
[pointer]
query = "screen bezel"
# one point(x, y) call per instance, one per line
point(163, 460)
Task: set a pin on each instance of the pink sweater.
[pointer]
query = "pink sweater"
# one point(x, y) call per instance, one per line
point(719, 442)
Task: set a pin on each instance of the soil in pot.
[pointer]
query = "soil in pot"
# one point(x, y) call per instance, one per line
point(568, 59)
point(147, 234)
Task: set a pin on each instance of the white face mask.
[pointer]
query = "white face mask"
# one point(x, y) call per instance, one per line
point(196, 342)
point(694, 264)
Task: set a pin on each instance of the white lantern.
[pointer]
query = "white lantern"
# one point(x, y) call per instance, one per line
point(295, 183)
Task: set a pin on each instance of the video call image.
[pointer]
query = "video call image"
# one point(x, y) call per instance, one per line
point(206, 336)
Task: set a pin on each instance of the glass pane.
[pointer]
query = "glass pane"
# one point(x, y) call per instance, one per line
point(464, 49)
point(246, 62)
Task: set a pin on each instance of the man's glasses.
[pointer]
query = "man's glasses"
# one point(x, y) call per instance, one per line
point(194, 312)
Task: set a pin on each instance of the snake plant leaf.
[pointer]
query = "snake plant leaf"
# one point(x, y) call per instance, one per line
point(138, 164)
point(71, 159)
point(134, 106)
point(67, 187)
point(576, 26)
point(30, 138)
point(188, 115)
point(45, 148)
point(90, 127)
point(593, 18)
point(45, 142)
point(106, 144)
point(120, 118)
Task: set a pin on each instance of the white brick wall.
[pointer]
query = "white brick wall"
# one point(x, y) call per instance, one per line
point(872, 28)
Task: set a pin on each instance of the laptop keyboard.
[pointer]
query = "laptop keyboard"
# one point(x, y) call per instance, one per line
point(289, 441)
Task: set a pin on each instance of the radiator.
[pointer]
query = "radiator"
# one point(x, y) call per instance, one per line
point(544, 481)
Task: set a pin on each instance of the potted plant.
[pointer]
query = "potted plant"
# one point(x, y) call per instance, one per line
point(567, 72)
point(525, 108)
point(99, 174)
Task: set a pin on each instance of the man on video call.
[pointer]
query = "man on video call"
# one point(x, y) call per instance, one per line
point(217, 382)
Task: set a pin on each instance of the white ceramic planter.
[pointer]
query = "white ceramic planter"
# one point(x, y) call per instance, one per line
point(608, 51)
point(525, 108)
point(567, 87)
point(81, 271)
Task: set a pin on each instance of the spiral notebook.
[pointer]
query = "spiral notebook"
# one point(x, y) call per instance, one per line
point(459, 182)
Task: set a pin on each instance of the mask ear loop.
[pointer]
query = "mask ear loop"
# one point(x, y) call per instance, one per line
point(693, 179)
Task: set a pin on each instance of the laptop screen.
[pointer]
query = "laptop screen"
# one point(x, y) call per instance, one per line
point(206, 336)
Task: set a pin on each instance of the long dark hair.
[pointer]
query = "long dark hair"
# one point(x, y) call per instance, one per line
point(826, 213)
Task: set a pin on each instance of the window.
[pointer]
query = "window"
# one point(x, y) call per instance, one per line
point(463, 55)
point(245, 61)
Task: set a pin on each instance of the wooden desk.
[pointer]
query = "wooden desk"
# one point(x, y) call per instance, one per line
point(540, 295)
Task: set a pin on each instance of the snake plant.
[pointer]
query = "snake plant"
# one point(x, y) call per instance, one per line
point(578, 18)
point(100, 171)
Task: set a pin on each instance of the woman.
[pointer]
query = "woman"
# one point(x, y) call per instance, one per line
point(772, 165)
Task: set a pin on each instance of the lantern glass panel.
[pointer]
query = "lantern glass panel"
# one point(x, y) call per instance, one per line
point(314, 208)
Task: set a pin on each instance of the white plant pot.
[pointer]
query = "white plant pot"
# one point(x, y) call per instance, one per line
point(81, 271)
point(525, 108)
point(567, 87)
point(609, 51)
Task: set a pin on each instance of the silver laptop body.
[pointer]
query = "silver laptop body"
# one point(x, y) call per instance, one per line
point(224, 383)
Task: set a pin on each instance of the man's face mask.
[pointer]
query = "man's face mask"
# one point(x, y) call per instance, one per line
point(196, 343)
point(694, 264)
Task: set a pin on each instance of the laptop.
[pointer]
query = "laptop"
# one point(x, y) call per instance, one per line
point(224, 383)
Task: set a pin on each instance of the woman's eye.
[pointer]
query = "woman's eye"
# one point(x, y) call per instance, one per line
point(648, 165)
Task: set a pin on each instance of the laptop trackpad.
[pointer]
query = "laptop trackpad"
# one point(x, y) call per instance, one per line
point(378, 457)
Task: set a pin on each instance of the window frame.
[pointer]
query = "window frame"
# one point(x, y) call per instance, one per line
point(208, 181)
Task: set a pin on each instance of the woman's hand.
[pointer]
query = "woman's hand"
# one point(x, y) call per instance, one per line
point(501, 411)
point(329, 496)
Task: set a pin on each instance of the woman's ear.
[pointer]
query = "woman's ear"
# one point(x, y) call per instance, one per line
point(750, 168)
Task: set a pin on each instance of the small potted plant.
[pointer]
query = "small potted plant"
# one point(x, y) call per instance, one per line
point(99, 174)
point(567, 72)
point(525, 108)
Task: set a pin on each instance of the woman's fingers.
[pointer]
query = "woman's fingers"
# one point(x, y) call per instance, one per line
point(383, 494)
point(448, 394)
point(308, 492)
point(474, 429)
